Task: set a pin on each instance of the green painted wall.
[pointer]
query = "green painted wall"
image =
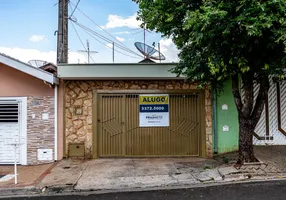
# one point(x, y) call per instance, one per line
point(227, 140)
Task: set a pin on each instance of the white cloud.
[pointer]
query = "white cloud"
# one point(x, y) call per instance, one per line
point(115, 21)
point(122, 33)
point(29, 54)
point(169, 49)
point(25, 55)
point(76, 57)
point(109, 45)
point(120, 39)
point(37, 38)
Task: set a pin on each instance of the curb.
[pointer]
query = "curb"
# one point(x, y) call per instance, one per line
point(57, 189)
point(13, 192)
point(70, 191)
point(174, 187)
point(43, 175)
point(29, 189)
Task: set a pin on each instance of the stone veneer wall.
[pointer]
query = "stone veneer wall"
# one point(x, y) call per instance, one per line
point(40, 133)
point(78, 129)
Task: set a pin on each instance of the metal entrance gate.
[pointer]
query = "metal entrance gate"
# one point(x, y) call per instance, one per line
point(119, 134)
point(9, 131)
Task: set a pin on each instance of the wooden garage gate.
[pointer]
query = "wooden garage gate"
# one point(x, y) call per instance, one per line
point(119, 134)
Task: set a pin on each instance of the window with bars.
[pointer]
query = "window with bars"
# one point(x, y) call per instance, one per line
point(9, 112)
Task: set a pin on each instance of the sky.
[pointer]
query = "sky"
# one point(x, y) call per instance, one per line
point(28, 31)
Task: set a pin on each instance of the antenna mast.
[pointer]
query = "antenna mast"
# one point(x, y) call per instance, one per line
point(88, 51)
point(159, 49)
point(144, 40)
point(113, 52)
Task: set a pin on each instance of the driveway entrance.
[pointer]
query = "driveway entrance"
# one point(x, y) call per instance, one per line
point(145, 172)
point(120, 135)
point(121, 173)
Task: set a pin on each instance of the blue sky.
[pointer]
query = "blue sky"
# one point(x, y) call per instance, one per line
point(28, 28)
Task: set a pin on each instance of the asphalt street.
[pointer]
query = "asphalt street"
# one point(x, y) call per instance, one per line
point(275, 190)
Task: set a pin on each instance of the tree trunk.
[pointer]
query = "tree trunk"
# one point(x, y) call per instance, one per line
point(248, 113)
point(246, 129)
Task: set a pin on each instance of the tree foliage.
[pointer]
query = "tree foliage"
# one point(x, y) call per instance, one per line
point(219, 39)
point(222, 40)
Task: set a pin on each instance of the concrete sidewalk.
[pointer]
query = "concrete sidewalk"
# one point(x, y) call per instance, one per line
point(73, 175)
point(109, 174)
point(27, 175)
point(273, 164)
point(28, 178)
point(122, 174)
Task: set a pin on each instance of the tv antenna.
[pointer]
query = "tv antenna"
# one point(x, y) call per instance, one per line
point(144, 33)
point(37, 63)
point(88, 51)
point(149, 52)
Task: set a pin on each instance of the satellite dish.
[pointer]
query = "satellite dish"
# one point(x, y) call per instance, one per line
point(37, 63)
point(149, 52)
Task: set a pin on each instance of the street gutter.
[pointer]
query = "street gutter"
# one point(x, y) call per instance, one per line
point(68, 191)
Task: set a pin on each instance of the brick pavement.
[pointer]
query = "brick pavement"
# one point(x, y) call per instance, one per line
point(272, 162)
point(27, 175)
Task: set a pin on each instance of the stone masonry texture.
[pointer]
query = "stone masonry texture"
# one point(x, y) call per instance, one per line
point(78, 128)
point(40, 133)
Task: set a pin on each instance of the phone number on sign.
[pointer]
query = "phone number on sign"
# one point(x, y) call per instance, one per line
point(152, 108)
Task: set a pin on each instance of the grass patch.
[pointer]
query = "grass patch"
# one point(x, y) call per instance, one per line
point(225, 159)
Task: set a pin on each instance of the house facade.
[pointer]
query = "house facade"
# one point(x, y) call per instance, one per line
point(119, 110)
point(225, 121)
point(271, 128)
point(28, 113)
point(133, 110)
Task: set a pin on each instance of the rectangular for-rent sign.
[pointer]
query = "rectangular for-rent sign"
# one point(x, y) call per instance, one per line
point(154, 110)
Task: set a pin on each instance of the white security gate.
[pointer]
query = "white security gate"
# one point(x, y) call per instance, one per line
point(271, 128)
point(12, 130)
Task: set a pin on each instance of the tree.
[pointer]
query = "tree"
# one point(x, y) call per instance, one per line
point(221, 40)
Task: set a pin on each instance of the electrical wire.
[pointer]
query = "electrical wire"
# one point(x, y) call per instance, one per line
point(107, 45)
point(74, 8)
point(102, 37)
point(111, 47)
point(77, 32)
point(81, 41)
point(90, 31)
point(98, 25)
point(106, 39)
point(104, 30)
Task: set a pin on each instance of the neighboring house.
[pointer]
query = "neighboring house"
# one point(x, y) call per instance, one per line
point(225, 121)
point(271, 128)
point(28, 113)
point(133, 110)
point(49, 67)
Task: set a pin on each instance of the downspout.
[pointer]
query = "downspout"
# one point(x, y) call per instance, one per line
point(56, 122)
point(215, 122)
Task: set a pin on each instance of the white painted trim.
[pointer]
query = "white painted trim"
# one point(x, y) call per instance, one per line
point(28, 69)
point(56, 122)
point(116, 71)
point(24, 146)
point(12, 98)
point(23, 126)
